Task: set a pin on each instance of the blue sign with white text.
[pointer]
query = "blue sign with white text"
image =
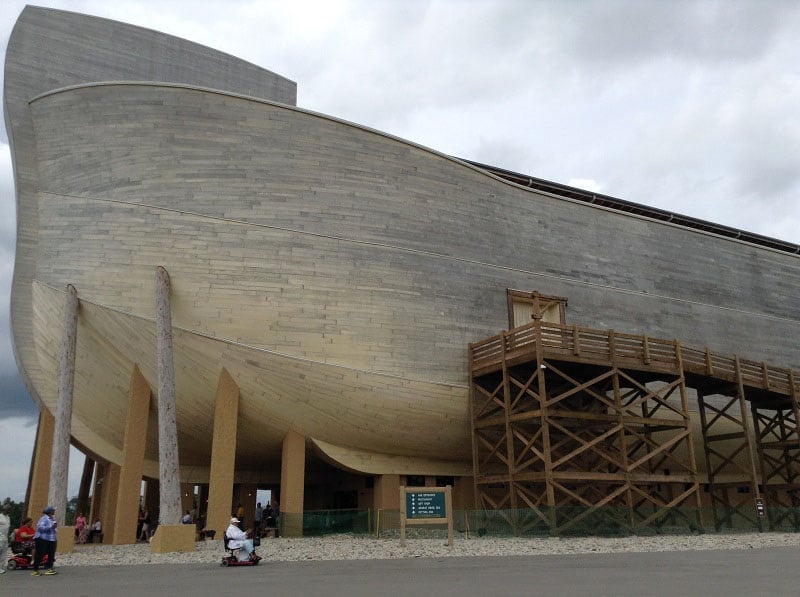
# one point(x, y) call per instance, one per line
point(425, 504)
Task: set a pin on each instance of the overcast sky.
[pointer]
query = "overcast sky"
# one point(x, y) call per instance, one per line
point(692, 107)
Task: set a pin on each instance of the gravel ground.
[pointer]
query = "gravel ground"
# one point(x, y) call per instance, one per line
point(350, 547)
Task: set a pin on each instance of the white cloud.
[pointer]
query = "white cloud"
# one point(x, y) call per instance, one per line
point(687, 106)
point(19, 436)
point(587, 184)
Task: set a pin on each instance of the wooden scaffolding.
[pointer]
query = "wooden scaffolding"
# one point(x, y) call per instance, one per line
point(583, 430)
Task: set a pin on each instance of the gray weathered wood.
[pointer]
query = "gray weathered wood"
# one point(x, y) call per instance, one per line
point(59, 467)
point(168, 461)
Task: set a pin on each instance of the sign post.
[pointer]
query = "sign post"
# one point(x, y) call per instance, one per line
point(426, 505)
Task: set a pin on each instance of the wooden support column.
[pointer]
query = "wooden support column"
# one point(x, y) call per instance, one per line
point(59, 471)
point(151, 498)
point(168, 461)
point(621, 439)
point(247, 495)
point(509, 433)
point(170, 534)
point(39, 484)
point(464, 494)
point(692, 456)
point(223, 454)
point(546, 447)
point(86, 486)
point(750, 450)
point(187, 498)
point(108, 509)
point(386, 494)
point(293, 463)
point(130, 480)
point(101, 470)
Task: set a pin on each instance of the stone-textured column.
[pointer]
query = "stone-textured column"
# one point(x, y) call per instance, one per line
point(39, 481)
point(59, 470)
point(168, 461)
point(133, 445)
point(293, 464)
point(223, 453)
point(86, 486)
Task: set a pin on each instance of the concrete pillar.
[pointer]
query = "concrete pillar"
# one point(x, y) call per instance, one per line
point(293, 465)
point(202, 501)
point(463, 493)
point(110, 501)
point(39, 484)
point(151, 498)
point(387, 492)
point(86, 486)
point(168, 461)
point(223, 454)
point(247, 495)
point(59, 470)
point(133, 445)
point(97, 493)
point(187, 498)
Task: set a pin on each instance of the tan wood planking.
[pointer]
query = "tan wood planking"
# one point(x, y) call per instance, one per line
point(223, 453)
point(131, 467)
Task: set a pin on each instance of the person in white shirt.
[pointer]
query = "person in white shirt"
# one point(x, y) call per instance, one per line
point(5, 527)
point(237, 539)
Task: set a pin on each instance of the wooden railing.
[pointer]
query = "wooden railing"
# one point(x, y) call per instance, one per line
point(573, 343)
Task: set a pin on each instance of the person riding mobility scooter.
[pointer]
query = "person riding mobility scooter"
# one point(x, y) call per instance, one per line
point(22, 546)
point(240, 550)
point(23, 556)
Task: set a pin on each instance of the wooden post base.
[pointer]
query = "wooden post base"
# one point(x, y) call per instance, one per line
point(173, 537)
point(65, 537)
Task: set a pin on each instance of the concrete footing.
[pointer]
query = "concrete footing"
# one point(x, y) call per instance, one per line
point(173, 537)
point(65, 537)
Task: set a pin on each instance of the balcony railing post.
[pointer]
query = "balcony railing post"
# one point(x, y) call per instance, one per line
point(612, 346)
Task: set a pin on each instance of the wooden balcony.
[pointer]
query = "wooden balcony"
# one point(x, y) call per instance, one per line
point(628, 351)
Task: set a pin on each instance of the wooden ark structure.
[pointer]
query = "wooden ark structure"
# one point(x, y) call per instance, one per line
point(330, 290)
point(579, 426)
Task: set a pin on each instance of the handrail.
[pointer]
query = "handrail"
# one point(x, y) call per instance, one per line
point(572, 342)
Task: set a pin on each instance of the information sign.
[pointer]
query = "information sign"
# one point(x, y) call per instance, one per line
point(425, 505)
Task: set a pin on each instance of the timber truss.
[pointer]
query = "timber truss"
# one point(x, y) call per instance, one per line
point(578, 430)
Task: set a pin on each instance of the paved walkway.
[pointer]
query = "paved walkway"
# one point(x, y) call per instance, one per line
point(772, 571)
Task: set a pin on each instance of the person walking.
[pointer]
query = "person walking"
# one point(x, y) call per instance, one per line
point(257, 520)
point(45, 540)
point(144, 534)
point(5, 529)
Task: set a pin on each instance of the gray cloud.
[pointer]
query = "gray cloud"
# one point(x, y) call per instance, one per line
point(710, 31)
point(15, 401)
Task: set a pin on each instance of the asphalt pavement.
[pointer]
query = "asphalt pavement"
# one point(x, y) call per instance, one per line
point(772, 571)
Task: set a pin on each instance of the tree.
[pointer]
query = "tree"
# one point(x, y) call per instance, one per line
point(16, 513)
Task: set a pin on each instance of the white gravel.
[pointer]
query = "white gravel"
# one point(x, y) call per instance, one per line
point(350, 547)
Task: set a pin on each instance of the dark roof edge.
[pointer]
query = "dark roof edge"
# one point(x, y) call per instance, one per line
point(636, 208)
